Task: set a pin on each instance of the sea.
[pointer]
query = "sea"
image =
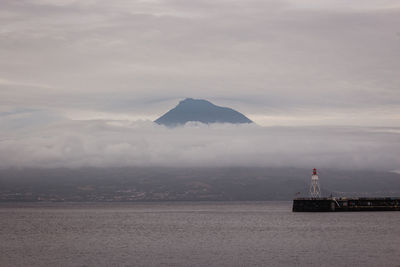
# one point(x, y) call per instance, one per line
point(194, 234)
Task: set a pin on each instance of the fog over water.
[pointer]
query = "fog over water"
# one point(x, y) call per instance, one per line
point(144, 143)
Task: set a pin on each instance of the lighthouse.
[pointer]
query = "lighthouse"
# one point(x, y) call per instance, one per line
point(315, 190)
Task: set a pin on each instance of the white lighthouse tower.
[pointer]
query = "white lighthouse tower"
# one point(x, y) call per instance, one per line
point(315, 190)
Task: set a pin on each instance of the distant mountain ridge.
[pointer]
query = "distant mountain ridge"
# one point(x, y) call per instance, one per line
point(201, 110)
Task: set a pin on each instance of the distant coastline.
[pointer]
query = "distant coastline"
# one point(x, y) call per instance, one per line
point(186, 184)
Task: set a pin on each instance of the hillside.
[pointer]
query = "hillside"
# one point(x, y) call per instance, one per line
point(201, 111)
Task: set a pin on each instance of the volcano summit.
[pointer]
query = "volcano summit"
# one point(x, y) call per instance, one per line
point(202, 111)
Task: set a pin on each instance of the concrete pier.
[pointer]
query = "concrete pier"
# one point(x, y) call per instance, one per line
point(345, 204)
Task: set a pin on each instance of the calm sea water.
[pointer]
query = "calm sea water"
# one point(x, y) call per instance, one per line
point(194, 234)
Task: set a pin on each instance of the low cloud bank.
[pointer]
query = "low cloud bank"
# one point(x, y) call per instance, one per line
point(77, 144)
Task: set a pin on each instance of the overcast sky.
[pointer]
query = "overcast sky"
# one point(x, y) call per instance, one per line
point(294, 63)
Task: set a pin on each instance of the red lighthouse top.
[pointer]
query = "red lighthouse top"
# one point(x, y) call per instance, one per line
point(314, 171)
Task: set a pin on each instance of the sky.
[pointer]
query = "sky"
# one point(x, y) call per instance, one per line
point(332, 66)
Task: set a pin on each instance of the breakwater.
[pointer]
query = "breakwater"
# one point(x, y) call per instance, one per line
point(345, 204)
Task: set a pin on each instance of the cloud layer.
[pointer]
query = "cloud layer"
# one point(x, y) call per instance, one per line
point(279, 62)
point(287, 61)
point(143, 143)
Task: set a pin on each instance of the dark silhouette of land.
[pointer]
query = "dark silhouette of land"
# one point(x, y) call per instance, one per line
point(201, 111)
point(187, 184)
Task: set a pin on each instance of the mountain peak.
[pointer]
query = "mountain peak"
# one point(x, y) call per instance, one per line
point(200, 110)
point(194, 101)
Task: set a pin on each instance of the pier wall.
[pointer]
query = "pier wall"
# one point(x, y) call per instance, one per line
point(345, 204)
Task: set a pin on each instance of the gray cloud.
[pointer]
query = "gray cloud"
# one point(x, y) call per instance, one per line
point(267, 58)
point(143, 143)
point(285, 63)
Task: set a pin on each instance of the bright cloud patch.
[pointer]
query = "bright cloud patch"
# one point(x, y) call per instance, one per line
point(143, 143)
